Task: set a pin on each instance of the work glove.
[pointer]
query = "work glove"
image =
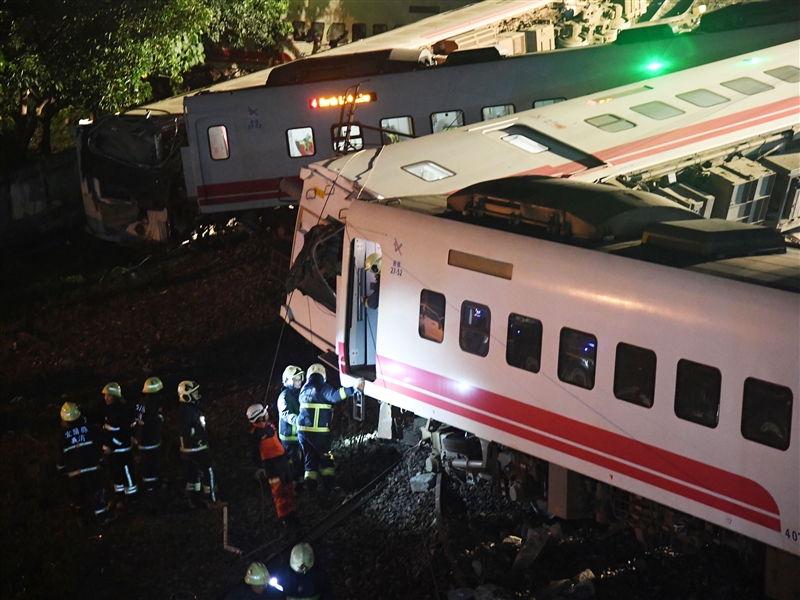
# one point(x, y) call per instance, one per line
point(260, 474)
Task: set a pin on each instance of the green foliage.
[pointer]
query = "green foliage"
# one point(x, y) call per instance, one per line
point(239, 23)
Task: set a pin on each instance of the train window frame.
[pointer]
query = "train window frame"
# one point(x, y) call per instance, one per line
point(459, 122)
point(531, 347)
point(475, 328)
point(355, 143)
point(395, 124)
point(429, 312)
point(508, 109)
point(218, 144)
point(358, 31)
point(615, 125)
point(378, 28)
point(787, 73)
point(657, 110)
point(626, 379)
point(688, 373)
point(569, 366)
point(761, 416)
point(291, 142)
point(703, 98)
point(546, 102)
point(427, 170)
point(747, 86)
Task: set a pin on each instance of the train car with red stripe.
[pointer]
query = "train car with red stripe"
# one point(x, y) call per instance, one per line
point(643, 362)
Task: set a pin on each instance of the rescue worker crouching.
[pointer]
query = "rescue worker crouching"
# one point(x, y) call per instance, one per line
point(288, 409)
point(256, 585)
point(317, 398)
point(194, 447)
point(269, 457)
point(306, 579)
point(117, 445)
point(79, 458)
point(147, 429)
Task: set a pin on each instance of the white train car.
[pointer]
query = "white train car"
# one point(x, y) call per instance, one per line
point(244, 147)
point(739, 104)
point(664, 366)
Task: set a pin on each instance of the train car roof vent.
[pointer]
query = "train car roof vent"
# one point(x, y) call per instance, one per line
point(714, 238)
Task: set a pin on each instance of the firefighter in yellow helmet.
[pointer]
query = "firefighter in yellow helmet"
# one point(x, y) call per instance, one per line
point(147, 430)
point(288, 409)
point(305, 578)
point(256, 585)
point(79, 459)
point(317, 398)
point(373, 265)
point(118, 445)
point(194, 447)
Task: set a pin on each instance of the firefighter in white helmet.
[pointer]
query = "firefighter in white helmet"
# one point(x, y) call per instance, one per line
point(79, 459)
point(306, 578)
point(118, 445)
point(288, 409)
point(317, 398)
point(194, 447)
point(269, 458)
point(147, 431)
point(256, 585)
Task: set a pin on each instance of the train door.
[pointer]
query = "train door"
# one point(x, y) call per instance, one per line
point(362, 306)
point(214, 141)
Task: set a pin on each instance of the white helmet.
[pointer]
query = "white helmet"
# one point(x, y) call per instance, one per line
point(289, 373)
point(257, 574)
point(318, 369)
point(255, 412)
point(188, 391)
point(301, 558)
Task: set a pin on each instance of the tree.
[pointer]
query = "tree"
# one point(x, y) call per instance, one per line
point(96, 55)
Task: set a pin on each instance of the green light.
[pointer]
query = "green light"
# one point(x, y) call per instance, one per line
point(655, 66)
point(753, 60)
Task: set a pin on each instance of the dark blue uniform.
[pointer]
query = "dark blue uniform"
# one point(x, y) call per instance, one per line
point(79, 458)
point(149, 421)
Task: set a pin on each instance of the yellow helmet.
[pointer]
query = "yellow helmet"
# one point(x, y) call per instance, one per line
point(257, 574)
point(187, 390)
point(318, 369)
point(152, 385)
point(373, 263)
point(113, 388)
point(302, 558)
point(70, 412)
point(289, 373)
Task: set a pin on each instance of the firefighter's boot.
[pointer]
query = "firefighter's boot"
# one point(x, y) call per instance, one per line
point(311, 486)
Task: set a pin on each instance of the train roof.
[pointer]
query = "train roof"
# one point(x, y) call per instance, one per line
point(622, 222)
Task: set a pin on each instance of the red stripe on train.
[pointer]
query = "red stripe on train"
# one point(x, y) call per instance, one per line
point(593, 439)
point(242, 191)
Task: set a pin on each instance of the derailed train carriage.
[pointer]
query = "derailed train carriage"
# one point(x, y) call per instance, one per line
point(593, 348)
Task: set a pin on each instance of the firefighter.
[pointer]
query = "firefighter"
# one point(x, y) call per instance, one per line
point(194, 447)
point(288, 408)
point(79, 458)
point(117, 445)
point(306, 579)
point(256, 585)
point(147, 429)
point(317, 398)
point(270, 460)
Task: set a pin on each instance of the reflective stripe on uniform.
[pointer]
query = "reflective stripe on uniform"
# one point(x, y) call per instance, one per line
point(197, 449)
point(79, 471)
point(122, 449)
point(287, 438)
point(342, 393)
point(316, 408)
point(78, 445)
point(158, 445)
point(110, 428)
point(314, 597)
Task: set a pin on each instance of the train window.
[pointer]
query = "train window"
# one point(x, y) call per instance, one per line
point(337, 33)
point(697, 393)
point(611, 123)
point(635, 374)
point(379, 28)
point(428, 171)
point(341, 142)
point(657, 110)
point(493, 112)
point(299, 30)
point(301, 142)
point(442, 121)
point(787, 73)
point(399, 129)
point(359, 31)
point(746, 85)
point(702, 98)
point(218, 142)
point(767, 413)
point(476, 320)
point(431, 316)
point(577, 354)
point(524, 143)
point(524, 342)
point(547, 102)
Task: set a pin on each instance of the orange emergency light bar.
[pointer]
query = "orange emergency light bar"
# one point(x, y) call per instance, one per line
point(333, 101)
